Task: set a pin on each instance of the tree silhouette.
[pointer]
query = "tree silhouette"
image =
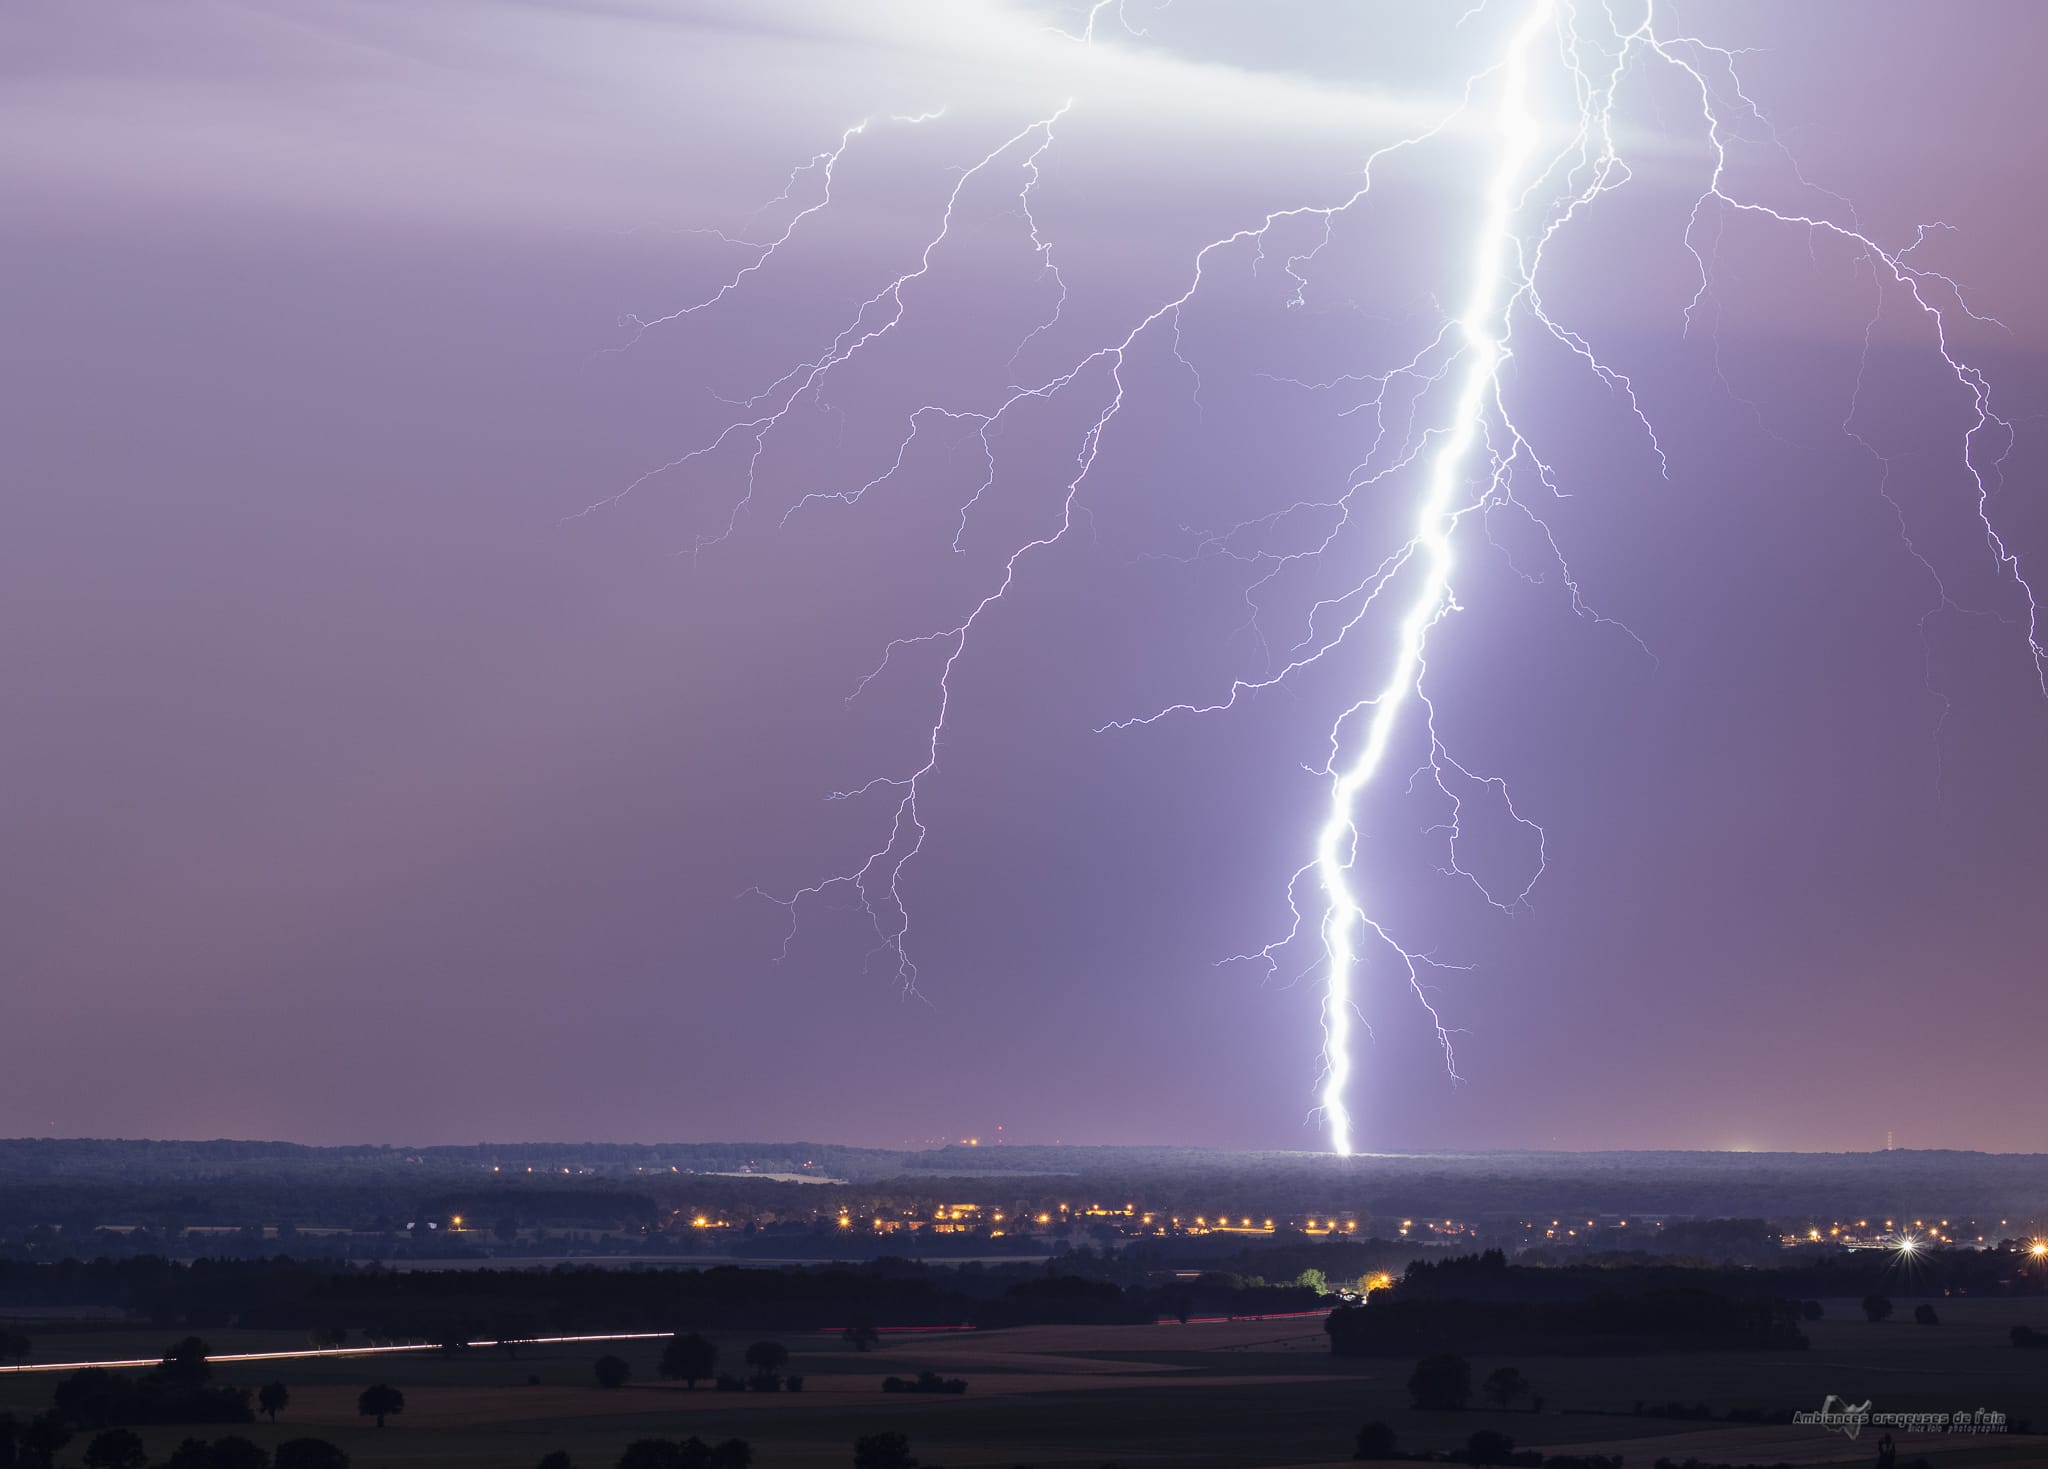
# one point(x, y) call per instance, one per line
point(185, 1363)
point(45, 1434)
point(380, 1401)
point(1923, 1315)
point(767, 1356)
point(14, 1347)
point(273, 1398)
point(1504, 1386)
point(883, 1451)
point(689, 1357)
point(734, 1453)
point(236, 1453)
point(1442, 1382)
point(612, 1371)
point(117, 1448)
point(1877, 1308)
point(1488, 1446)
point(309, 1453)
point(862, 1335)
point(559, 1459)
point(1376, 1441)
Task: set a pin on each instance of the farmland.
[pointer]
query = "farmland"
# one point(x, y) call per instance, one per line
point(1222, 1395)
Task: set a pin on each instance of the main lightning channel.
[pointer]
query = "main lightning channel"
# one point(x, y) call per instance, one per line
point(1483, 326)
point(1536, 173)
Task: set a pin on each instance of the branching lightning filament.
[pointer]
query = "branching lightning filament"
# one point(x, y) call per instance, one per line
point(1444, 435)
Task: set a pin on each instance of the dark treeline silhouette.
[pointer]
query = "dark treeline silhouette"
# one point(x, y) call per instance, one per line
point(1489, 1275)
point(1669, 1320)
point(465, 1305)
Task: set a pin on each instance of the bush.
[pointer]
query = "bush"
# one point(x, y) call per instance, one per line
point(237, 1453)
point(652, 1453)
point(612, 1371)
point(316, 1453)
point(1923, 1315)
point(1489, 1446)
point(925, 1382)
point(1877, 1308)
point(883, 1451)
point(117, 1448)
point(1376, 1441)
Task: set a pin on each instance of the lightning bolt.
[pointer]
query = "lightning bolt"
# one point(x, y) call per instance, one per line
point(1546, 107)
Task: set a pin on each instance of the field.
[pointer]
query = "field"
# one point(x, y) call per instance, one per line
point(1214, 1395)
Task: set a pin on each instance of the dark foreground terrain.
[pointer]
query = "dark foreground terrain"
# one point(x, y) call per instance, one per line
point(1227, 1394)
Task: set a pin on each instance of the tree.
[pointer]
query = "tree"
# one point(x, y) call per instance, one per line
point(273, 1398)
point(193, 1453)
point(734, 1453)
point(1376, 1441)
point(1314, 1280)
point(236, 1453)
point(559, 1459)
point(1877, 1308)
point(45, 1434)
point(89, 1397)
point(862, 1335)
point(506, 1230)
point(652, 1453)
point(883, 1451)
point(1812, 1310)
point(1923, 1315)
point(688, 1357)
point(380, 1401)
point(310, 1453)
point(1488, 1446)
point(612, 1371)
point(767, 1356)
point(185, 1363)
point(14, 1347)
point(117, 1448)
point(1504, 1386)
point(1442, 1382)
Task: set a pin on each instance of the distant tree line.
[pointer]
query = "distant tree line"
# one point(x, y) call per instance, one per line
point(463, 1305)
point(1666, 1320)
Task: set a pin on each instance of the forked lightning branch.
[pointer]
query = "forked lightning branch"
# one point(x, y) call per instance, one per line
point(1544, 99)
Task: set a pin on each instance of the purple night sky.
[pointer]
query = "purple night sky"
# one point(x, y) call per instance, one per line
point(358, 789)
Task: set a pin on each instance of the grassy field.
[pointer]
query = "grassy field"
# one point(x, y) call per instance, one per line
point(1224, 1395)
